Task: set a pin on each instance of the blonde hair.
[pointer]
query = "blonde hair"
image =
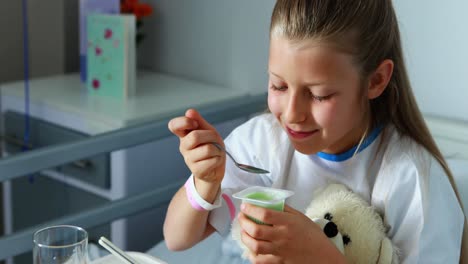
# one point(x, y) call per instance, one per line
point(369, 31)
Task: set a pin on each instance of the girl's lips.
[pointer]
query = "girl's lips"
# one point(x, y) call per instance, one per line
point(300, 134)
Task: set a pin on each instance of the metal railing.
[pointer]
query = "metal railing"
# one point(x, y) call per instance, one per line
point(30, 162)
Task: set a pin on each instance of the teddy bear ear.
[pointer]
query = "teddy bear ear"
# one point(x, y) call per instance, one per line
point(388, 253)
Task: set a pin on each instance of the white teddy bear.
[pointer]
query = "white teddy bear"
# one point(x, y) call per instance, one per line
point(349, 222)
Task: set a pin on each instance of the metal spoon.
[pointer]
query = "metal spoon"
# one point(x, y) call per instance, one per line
point(116, 251)
point(248, 168)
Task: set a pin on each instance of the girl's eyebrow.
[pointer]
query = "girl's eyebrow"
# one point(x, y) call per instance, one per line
point(270, 72)
point(312, 84)
point(305, 84)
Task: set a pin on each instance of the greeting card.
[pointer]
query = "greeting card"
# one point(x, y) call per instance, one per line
point(111, 55)
point(92, 7)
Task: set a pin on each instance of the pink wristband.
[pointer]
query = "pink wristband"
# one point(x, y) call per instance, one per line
point(196, 201)
point(188, 191)
point(230, 204)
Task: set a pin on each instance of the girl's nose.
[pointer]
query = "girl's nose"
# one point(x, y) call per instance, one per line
point(297, 109)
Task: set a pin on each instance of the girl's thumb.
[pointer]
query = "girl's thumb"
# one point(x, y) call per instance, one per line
point(289, 209)
point(202, 123)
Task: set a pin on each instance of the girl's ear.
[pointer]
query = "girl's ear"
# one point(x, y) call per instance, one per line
point(379, 79)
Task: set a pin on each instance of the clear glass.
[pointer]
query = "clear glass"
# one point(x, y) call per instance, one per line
point(61, 244)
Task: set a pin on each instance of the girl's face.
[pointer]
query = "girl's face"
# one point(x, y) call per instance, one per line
point(315, 93)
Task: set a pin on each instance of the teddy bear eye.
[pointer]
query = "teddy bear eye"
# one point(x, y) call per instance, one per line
point(328, 216)
point(346, 240)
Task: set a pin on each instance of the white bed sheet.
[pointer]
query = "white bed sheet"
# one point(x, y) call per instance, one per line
point(212, 250)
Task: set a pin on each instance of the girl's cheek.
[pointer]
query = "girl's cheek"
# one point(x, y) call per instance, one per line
point(274, 103)
point(325, 115)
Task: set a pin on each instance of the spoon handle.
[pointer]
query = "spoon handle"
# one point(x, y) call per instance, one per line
point(105, 243)
point(224, 150)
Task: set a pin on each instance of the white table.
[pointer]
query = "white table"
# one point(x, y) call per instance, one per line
point(64, 99)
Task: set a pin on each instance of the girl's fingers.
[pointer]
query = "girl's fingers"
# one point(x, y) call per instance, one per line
point(195, 138)
point(267, 259)
point(268, 216)
point(203, 159)
point(203, 152)
point(181, 126)
point(258, 231)
point(204, 166)
point(289, 209)
point(256, 246)
point(203, 124)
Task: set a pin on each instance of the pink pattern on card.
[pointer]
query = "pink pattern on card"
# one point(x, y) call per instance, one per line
point(98, 51)
point(96, 84)
point(108, 33)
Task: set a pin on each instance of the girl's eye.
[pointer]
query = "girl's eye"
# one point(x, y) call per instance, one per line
point(279, 88)
point(282, 88)
point(321, 98)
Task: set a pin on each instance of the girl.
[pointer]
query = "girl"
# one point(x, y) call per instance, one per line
point(342, 110)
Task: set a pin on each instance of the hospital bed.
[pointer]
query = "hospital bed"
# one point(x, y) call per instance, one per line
point(451, 137)
point(28, 163)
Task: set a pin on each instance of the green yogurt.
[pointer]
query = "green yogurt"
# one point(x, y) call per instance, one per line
point(265, 201)
point(266, 197)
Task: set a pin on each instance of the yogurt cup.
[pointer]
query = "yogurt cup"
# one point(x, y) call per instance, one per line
point(265, 197)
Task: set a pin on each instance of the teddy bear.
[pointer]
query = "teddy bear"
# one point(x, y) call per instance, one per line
point(352, 225)
point(360, 229)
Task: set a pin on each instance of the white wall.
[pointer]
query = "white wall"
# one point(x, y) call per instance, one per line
point(11, 54)
point(222, 42)
point(225, 42)
point(435, 39)
point(53, 38)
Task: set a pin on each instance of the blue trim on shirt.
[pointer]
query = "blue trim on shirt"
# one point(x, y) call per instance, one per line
point(349, 153)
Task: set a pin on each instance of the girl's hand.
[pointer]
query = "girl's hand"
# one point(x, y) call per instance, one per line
point(205, 161)
point(291, 238)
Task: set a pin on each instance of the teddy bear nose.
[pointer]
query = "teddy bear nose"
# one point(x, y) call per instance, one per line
point(330, 229)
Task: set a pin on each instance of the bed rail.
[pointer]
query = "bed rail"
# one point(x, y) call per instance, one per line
point(30, 162)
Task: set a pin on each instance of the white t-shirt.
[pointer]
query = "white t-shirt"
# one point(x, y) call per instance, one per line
point(399, 177)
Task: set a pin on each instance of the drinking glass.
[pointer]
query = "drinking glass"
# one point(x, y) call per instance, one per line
point(60, 244)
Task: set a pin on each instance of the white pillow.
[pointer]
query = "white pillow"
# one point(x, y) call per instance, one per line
point(459, 168)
